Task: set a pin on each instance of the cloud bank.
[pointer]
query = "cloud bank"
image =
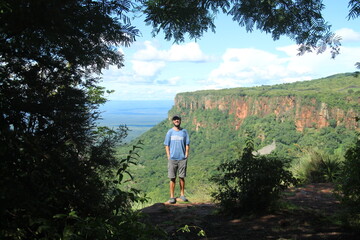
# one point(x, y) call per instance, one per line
point(155, 72)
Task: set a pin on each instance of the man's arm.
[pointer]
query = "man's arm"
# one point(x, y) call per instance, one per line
point(167, 149)
point(187, 149)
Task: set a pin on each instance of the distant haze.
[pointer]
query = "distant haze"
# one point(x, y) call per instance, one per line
point(139, 116)
point(134, 113)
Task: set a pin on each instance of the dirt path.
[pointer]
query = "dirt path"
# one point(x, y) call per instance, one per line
point(314, 206)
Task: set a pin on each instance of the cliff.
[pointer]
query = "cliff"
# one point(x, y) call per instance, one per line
point(303, 111)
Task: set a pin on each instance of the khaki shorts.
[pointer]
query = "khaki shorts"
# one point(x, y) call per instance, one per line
point(177, 166)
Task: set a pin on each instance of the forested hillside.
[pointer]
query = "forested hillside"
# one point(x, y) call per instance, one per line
point(319, 115)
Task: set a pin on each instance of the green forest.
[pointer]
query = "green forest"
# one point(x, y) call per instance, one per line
point(219, 141)
point(335, 90)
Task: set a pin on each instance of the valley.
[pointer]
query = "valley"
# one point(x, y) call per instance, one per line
point(303, 118)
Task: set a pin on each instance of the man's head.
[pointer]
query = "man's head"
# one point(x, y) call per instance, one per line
point(176, 117)
point(176, 120)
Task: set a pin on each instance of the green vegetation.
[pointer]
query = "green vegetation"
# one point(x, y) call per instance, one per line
point(215, 139)
point(349, 185)
point(60, 175)
point(340, 90)
point(250, 184)
point(315, 166)
point(350, 177)
point(134, 132)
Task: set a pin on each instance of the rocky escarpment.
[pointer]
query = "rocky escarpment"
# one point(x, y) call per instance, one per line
point(306, 112)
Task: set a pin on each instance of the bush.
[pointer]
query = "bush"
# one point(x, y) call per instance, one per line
point(98, 207)
point(250, 184)
point(349, 182)
point(316, 166)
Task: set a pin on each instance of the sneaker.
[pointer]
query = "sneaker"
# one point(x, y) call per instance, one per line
point(172, 200)
point(184, 198)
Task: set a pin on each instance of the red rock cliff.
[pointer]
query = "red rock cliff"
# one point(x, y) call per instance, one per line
point(304, 112)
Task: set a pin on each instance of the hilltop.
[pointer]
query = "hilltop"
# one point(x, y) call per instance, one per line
point(310, 214)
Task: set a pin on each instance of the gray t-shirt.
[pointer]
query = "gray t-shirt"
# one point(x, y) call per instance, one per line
point(177, 141)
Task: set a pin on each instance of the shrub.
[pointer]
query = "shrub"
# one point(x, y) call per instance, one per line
point(102, 211)
point(250, 184)
point(316, 166)
point(349, 182)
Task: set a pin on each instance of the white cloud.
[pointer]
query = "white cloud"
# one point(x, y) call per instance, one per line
point(113, 75)
point(348, 35)
point(249, 67)
point(153, 76)
point(174, 80)
point(150, 53)
point(189, 52)
point(147, 69)
point(243, 67)
point(321, 65)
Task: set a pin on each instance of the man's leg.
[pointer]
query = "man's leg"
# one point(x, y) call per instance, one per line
point(182, 186)
point(182, 175)
point(172, 187)
point(172, 169)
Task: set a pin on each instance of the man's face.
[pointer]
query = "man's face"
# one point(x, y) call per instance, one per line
point(176, 122)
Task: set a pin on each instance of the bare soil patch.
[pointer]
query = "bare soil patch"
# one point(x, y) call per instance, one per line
point(312, 217)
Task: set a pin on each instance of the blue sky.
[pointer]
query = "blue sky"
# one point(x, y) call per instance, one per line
point(156, 69)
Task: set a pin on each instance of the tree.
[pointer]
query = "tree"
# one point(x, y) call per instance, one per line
point(354, 12)
point(250, 184)
point(57, 168)
point(300, 20)
point(349, 183)
point(354, 6)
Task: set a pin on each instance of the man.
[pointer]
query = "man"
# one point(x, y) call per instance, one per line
point(177, 146)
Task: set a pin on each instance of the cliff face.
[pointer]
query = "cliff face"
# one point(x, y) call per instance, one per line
point(305, 112)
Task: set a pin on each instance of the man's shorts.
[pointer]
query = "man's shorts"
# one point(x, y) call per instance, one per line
point(177, 166)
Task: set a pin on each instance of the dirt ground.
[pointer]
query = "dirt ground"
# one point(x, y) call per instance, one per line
point(311, 217)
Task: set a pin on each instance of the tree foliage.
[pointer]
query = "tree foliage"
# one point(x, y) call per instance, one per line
point(316, 166)
point(57, 168)
point(354, 6)
point(250, 184)
point(349, 182)
point(300, 20)
point(349, 186)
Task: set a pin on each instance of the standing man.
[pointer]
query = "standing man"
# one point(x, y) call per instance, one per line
point(177, 145)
